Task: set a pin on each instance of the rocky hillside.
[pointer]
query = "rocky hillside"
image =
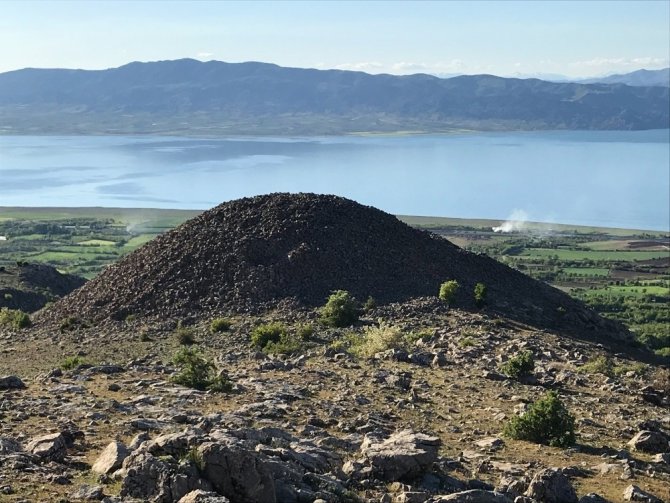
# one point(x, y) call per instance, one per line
point(421, 423)
point(29, 287)
point(250, 254)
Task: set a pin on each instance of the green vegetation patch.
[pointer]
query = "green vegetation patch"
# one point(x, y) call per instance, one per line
point(547, 421)
point(520, 365)
point(341, 310)
point(198, 373)
point(611, 256)
point(14, 318)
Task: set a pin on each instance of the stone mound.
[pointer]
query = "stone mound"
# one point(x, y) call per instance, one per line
point(249, 254)
point(29, 287)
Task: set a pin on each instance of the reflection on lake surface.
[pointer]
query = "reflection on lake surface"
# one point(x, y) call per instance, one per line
point(607, 178)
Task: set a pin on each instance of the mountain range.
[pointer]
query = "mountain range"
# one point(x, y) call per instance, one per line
point(192, 97)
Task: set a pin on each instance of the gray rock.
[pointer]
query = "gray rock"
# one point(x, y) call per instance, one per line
point(11, 382)
point(200, 496)
point(593, 498)
point(473, 496)
point(634, 493)
point(551, 486)
point(51, 447)
point(88, 493)
point(237, 473)
point(111, 458)
point(404, 455)
point(149, 478)
point(490, 443)
point(9, 446)
point(653, 442)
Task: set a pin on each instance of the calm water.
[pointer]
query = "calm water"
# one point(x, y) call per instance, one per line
point(618, 179)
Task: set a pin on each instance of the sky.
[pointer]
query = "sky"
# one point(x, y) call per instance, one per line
point(508, 38)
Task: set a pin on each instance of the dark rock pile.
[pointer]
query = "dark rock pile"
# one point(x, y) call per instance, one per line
point(248, 254)
point(30, 286)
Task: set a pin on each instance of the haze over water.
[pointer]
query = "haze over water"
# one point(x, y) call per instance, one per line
point(602, 178)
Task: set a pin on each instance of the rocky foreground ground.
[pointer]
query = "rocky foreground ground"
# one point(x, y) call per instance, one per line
point(415, 425)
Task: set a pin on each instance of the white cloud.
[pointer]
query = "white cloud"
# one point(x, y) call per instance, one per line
point(404, 67)
point(622, 63)
point(204, 55)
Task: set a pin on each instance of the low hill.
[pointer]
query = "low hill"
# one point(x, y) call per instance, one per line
point(251, 254)
point(29, 287)
point(192, 97)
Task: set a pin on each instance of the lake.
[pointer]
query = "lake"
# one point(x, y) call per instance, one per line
point(601, 178)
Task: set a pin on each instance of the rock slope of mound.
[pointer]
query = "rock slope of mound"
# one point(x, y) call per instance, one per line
point(30, 286)
point(251, 253)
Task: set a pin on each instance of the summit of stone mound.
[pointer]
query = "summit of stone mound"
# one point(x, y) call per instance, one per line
point(250, 254)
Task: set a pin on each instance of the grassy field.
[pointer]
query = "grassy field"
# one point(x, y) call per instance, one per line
point(610, 256)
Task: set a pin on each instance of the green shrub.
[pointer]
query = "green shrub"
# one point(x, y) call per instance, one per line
point(220, 384)
point(220, 325)
point(8, 296)
point(287, 344)
point(264, 334)
point(14, 318)
point(664, 352)
point(467, 342)
point(195, 372)
point(72, 362)
point(599, 365)
point(184, 335)
point(341, 310)
point(370, 305)
point(547, 421)
point(305, 332)
point(480, 294)
point(71, 323)
point(448, 290)
point(519, 365)
point(377, 339)
point(131, 318)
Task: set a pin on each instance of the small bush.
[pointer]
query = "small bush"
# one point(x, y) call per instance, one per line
point(519, 365)
point(145, 337)
point(220, 384)
point(264, 334)
point(72, 362)
point(184, 335)
point(219, 325)
point(305, 332)
point(480, 294)
point(448, 291)
point(195, 372)
point(8, 296)
point(341, 310)
point(131, 318)
point(547, 421)
point(599, 365)
point(14, 318)
point(370, 305)
point(287, 344)
point(377, 339)
point(71, 323)
point(467, 342)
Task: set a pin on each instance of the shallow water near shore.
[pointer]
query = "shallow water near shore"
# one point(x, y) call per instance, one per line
point(599, 178)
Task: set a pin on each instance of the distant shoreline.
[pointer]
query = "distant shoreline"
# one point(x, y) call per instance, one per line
point(424, 222)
